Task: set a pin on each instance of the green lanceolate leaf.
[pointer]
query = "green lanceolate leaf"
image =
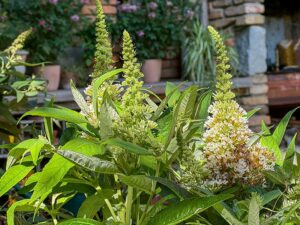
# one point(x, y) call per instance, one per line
point(140, 182)
point(185, 106)
point(185, 209)
point(58, 166)
point(106, 115)
point(203, 105)
point(270, 143)
point(80, 221)
point(270, 196)
point(60, 113)
point(173, 91)
point(133, 148)
point(165, 102)
point(288, 162)
point(98, 82)
point(90, 163)
point(230, 218)
point(12, 176)
point(277, 177)
point(34, 146)
point(94, 203)
point(252, 112)
point(254, 208)
point(180, 192)
point(22, 205)
point(79, 99)
point(280, 129)
point(183, 110)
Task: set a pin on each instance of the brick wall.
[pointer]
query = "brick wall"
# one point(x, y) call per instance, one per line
point(109, 7)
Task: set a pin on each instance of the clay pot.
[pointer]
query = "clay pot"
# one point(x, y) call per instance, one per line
point(51, 73)
point(152, 70)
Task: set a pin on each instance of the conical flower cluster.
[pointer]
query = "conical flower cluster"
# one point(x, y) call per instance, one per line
point(103, 64)
point(103, 54)
point(18, 43)
point(134, 123)
point(229, 158)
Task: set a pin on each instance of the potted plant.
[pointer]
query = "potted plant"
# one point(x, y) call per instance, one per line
point(53, 23)
point(152, 37)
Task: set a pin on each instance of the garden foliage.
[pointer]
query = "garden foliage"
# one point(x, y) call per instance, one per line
point(126, 160)
point(15, 87)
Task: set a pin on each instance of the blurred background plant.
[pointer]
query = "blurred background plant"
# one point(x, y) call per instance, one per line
point(198, 58)
point(55, 25)
point(15, 87)
point(155, 26)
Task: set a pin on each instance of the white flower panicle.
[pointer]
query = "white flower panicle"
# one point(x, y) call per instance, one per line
point(229, 159)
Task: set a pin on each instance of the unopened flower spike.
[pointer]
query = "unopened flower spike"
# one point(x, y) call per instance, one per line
point(134, 123)
point(18, 42)
point(224, 84)
point(228, 157)
point(103, 64)
point(103, 54)
point(132, 73)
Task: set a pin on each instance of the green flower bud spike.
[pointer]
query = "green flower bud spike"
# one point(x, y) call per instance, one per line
point(132, 74)
point(134, 123)
point(103, 54)
point(18, 42)
point(224, 84)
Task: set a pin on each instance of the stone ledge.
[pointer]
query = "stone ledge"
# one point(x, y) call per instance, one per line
point(259, 89)
point(250, 19)
point(221, 3)
point(255, 100)
point(257, 119)
point(221, 23)
point(259, 79)
point(247, 8)
point(264, 109)
point(216, 14)
point(244, 1)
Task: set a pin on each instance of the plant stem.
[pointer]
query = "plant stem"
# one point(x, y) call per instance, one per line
point(129, 205)
point(109, 206)
point(151, 195)
point(111, 209)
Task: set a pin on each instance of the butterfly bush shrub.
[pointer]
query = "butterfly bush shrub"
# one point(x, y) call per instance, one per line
point(135, 162)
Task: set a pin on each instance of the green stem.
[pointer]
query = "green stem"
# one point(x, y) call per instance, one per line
point(151, 195)
point(111, 210)
point(129, 205)
point(55, 222)
point(109, 206)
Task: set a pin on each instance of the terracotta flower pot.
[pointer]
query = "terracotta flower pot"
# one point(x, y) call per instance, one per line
point(152, 70)
point(51, 73)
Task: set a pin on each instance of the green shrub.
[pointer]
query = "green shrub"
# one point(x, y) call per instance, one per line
point(137, 162)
